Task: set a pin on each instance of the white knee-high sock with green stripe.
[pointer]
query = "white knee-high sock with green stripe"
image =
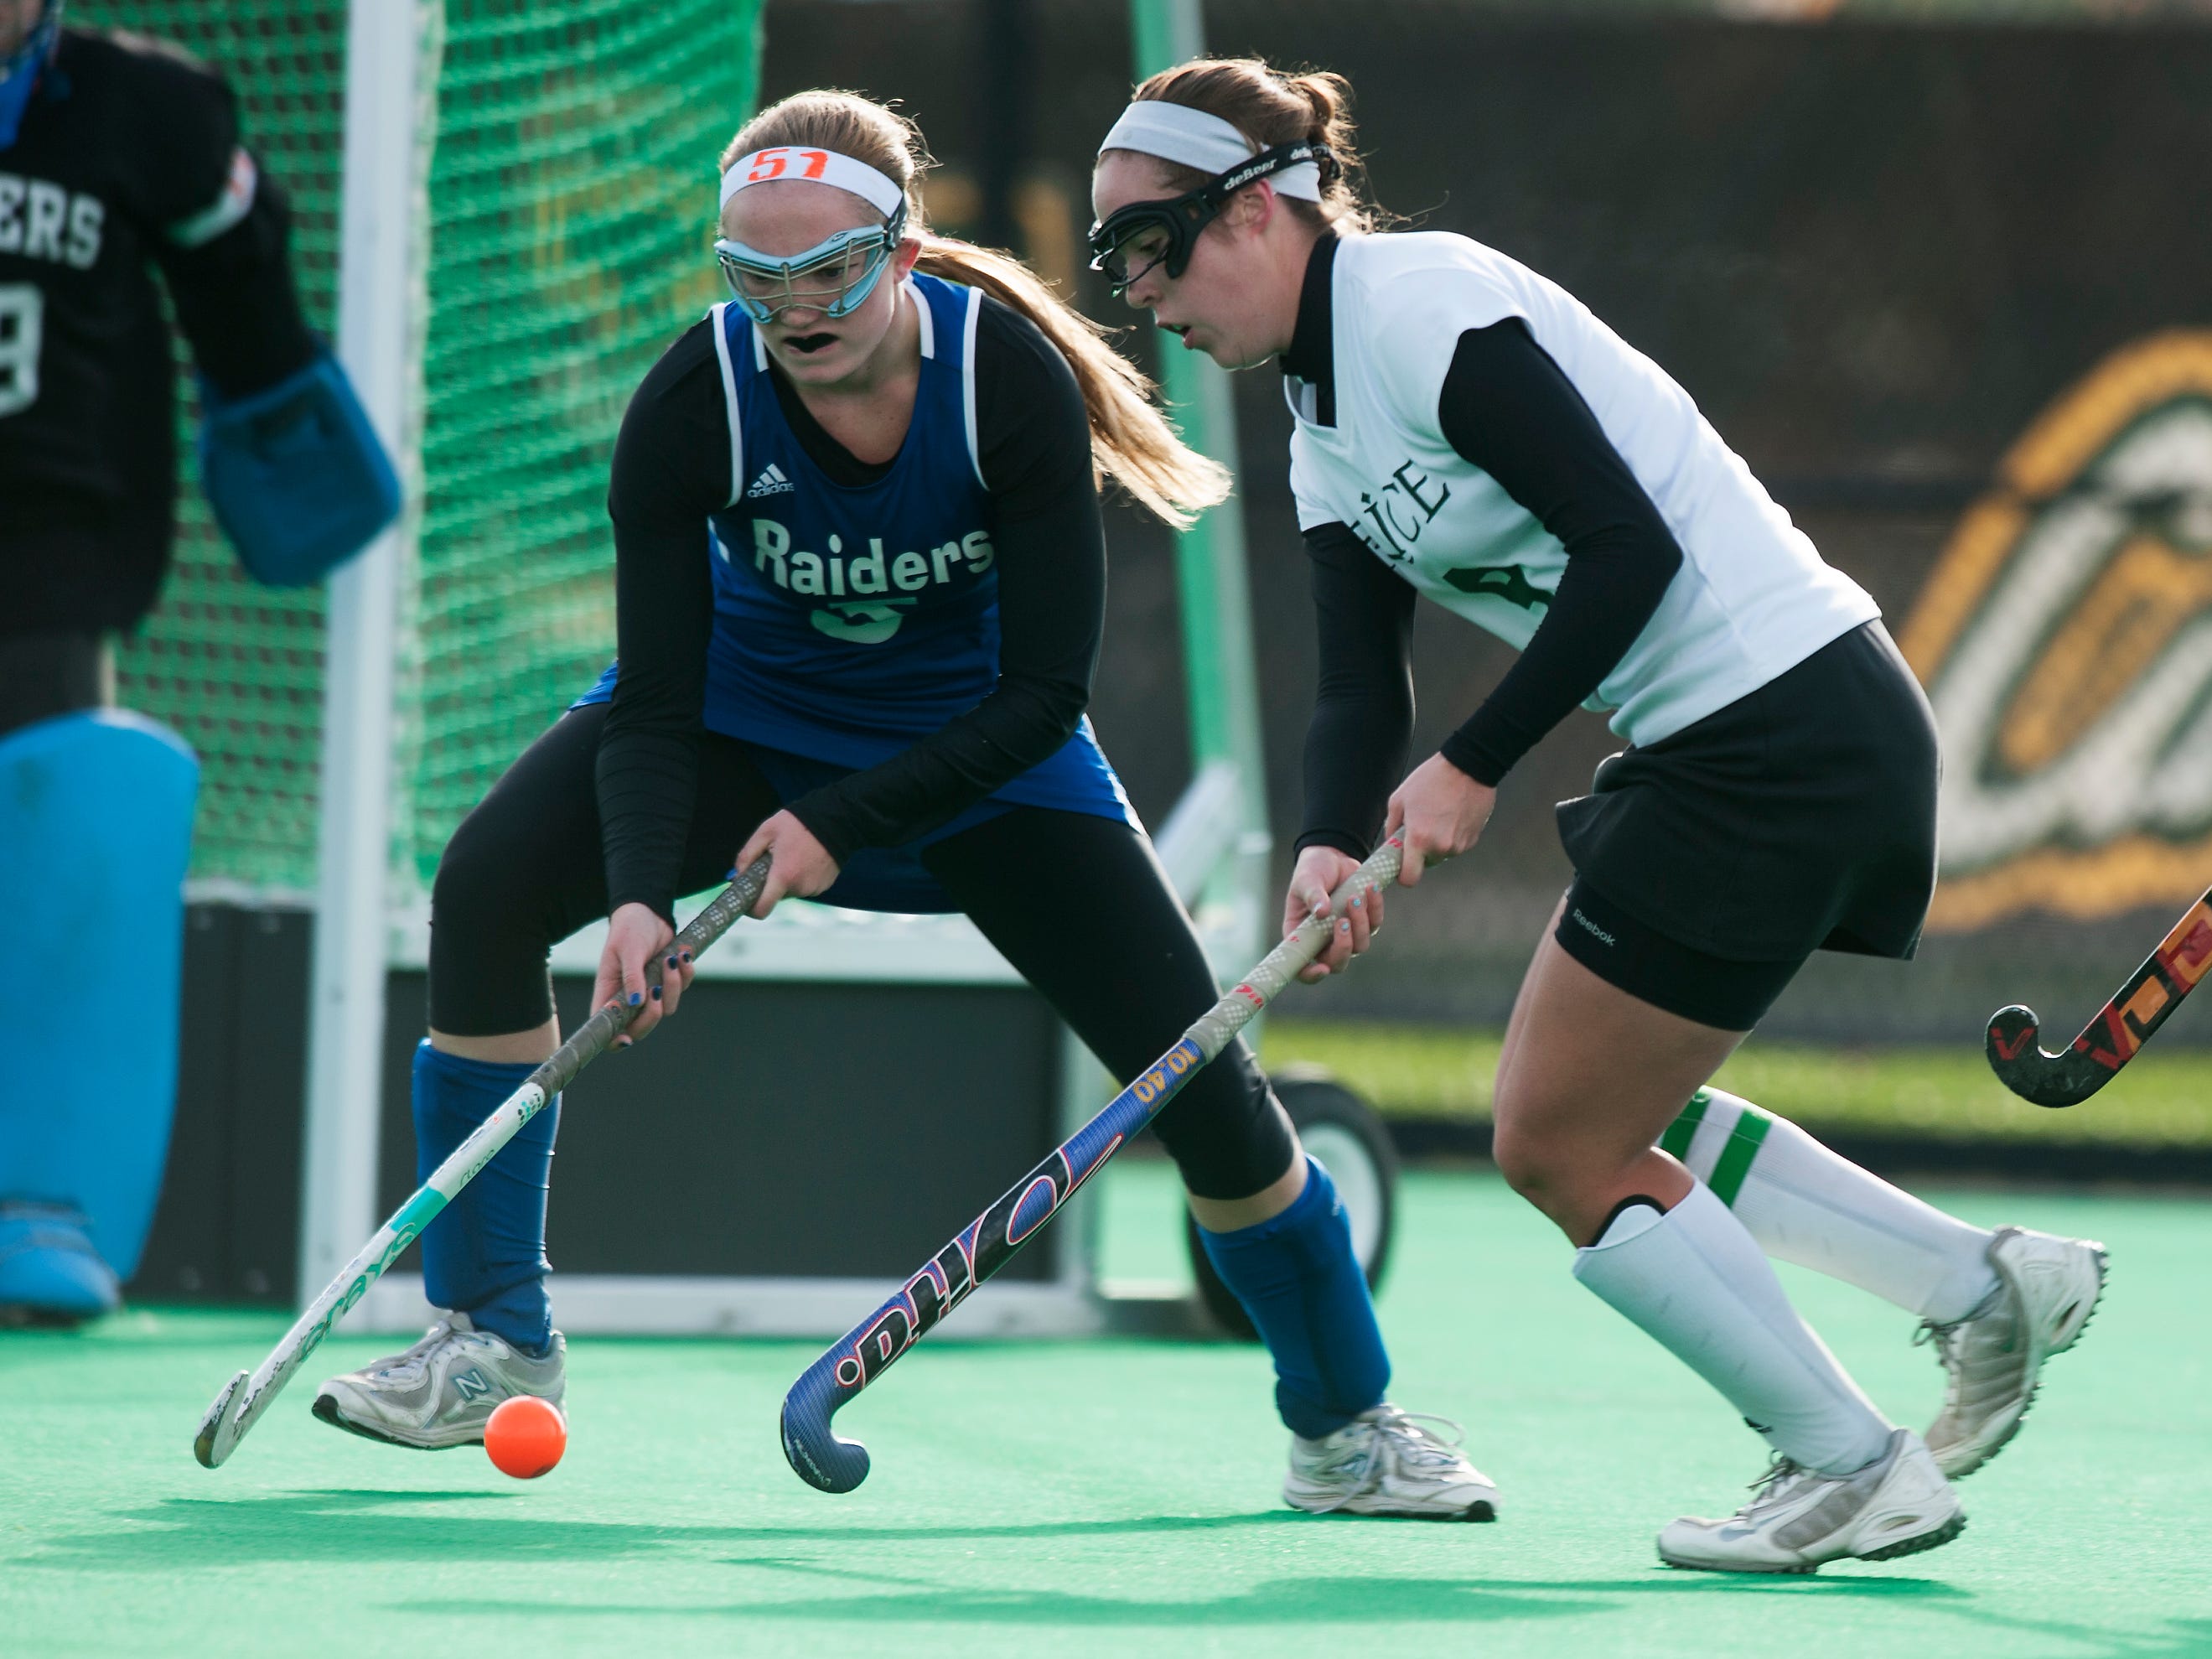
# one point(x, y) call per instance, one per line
point(1695, 1279)
point(1806, 1205)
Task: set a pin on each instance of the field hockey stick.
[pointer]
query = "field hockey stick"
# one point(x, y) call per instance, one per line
point(244, 1399)
point(2109, 1041)
point(989, 1243)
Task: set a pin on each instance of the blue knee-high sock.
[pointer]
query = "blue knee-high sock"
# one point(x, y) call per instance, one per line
point(485, 1254)
point(1297, 1277)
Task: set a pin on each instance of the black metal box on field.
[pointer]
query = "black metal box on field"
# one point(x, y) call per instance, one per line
point(776, 1140)
point(781, 1130)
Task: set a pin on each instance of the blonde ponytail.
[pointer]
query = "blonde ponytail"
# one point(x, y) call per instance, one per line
point(1132, 442)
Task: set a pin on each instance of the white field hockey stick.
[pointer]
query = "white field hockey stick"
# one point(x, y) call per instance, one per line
point(244, 1399)
point(986, 1245)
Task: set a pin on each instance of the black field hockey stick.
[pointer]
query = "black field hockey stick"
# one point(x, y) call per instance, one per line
point(989, 1243)
point(2121, 1028)
point(244, 1397)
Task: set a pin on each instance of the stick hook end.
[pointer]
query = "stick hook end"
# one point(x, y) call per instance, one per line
point(218, 1432)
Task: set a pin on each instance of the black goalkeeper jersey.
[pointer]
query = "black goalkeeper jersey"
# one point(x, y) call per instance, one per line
point(128, 162)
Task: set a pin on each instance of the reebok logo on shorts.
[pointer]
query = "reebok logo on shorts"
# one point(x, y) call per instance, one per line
point(1590, 927)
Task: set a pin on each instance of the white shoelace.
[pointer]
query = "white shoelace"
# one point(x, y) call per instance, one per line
point(1944, 1339)
point(1418, 1444)
point(1948, 1338)
point(416, 1360)
point(1776, 1485)
point(1401, 1431)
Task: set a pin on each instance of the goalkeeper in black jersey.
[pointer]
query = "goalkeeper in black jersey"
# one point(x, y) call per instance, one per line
point(120, 157)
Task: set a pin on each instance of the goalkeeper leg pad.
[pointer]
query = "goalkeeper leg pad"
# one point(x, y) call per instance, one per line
point(96, 814)
point(295, 474)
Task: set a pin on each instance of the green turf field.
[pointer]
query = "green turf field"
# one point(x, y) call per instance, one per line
point(1109, 1497)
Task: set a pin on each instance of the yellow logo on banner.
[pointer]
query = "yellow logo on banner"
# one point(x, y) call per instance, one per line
point(2065, 639)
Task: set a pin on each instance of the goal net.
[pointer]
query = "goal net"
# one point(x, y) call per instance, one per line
point(569, 148)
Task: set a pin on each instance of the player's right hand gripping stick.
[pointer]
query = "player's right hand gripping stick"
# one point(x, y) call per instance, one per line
point(989, 1243)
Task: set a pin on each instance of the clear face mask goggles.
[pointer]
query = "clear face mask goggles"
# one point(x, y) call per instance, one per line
point(1131, 241)
point(835, 276)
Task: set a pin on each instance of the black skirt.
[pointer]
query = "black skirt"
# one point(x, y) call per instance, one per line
point(1799, 818)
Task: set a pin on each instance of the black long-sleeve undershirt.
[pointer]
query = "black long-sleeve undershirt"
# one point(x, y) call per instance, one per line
point(1507, 408)
point(1363, 717)
point(236, 299)
point(672, 468)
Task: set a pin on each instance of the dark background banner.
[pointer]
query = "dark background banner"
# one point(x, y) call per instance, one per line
point(1874, 255)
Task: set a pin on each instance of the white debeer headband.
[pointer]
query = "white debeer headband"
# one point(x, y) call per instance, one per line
point(1176, 132)
point(827, 167)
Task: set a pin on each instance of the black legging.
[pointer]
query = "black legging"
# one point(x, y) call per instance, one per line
point(1077, 903)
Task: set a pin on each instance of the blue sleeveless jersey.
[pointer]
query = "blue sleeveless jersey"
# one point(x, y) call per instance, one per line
point(849, 621)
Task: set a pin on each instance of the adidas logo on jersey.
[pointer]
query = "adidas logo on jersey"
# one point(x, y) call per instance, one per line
point(771, 482)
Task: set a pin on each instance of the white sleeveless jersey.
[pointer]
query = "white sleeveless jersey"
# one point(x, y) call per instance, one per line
point(1752, 598)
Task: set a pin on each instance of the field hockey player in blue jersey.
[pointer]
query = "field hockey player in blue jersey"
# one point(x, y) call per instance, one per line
point(861, 576)
point(1466, 431)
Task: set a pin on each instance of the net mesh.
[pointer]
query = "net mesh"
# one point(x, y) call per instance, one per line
point(236, 668)
point(569, 212)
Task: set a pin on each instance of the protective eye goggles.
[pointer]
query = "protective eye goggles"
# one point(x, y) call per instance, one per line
point(1130, 241)
point(835, 276)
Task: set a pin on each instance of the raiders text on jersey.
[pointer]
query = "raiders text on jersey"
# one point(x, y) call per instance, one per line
point(40, 220)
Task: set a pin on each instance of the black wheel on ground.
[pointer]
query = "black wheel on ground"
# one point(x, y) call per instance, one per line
point(1348, 1139)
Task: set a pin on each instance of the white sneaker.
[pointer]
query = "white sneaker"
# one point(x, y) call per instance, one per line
point(1899, 1504)
point(2046, 1290)
point(1384, 1463)
point(440, 1392)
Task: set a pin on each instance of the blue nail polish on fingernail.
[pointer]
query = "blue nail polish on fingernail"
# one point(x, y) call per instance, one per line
point(656, 993)
point(1356, 903)
point(671, 961)
point(635, 999)
point(730, 874)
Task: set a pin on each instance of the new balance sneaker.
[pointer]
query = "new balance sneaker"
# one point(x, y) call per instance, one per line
point(440, 1392)
point(1992, 1359)
point(1385, 1462)
point(1899, 1504)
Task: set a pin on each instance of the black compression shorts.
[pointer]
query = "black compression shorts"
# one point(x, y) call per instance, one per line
point(1710, 865)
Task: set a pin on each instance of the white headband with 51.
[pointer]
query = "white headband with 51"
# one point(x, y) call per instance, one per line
point(878, 190)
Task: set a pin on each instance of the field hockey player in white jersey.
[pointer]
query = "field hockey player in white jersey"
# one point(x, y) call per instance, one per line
point(1468, 431)
point(860, 576)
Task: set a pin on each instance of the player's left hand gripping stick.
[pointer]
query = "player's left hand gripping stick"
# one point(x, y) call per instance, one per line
point(989, 1243)
point(245, 1398)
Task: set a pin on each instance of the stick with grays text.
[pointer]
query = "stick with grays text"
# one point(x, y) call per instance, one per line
point(989, 1242)
point(245, 1398)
